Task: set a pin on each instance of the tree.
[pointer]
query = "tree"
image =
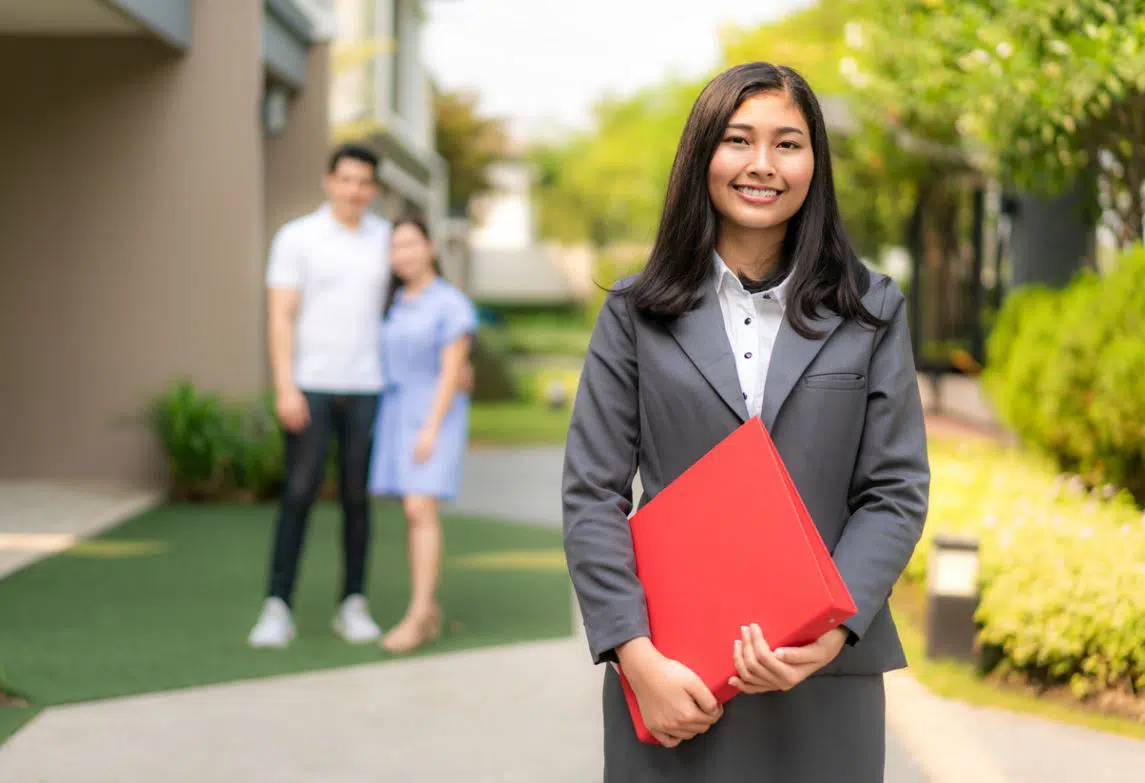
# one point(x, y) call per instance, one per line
point(1047, 91)
point(469, 142)
point(607, 186)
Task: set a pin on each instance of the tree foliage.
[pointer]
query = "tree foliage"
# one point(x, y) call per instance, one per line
point(1045, 90)
point(469, 142)
point(607, 186)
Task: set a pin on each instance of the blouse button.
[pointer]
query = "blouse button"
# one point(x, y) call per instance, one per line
point(747, 355)
point(747, 321)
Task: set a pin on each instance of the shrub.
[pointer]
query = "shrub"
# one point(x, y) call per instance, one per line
point(192, 430)
point(1062, 585)
point(1062, 372)
point(1016, 352)
point(217, 449)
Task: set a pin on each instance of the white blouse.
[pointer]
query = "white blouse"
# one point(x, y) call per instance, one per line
point(752, 323)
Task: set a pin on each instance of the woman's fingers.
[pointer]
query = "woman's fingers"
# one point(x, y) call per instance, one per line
point(739, 684)
point(785, 677)
point(755, 656)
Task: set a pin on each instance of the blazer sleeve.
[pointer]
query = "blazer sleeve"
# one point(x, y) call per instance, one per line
point(889, 491)
point(599, 467)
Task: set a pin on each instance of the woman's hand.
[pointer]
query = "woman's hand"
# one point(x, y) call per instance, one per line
point(423, 447)
point(760, 669)
point(674, 702)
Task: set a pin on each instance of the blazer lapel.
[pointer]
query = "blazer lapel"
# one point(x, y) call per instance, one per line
point(790, 356)
point(701, 334)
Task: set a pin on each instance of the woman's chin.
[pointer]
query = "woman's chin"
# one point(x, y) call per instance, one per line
point(754, 221)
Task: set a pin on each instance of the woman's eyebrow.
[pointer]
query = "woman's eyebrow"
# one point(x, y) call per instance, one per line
point(743, 126)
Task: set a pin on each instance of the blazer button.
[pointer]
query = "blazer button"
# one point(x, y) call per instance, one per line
point(747, 321)
point(747, 355)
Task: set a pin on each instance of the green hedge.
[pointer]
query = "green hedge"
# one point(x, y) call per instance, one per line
point(1064, 371)
point(1062, 574)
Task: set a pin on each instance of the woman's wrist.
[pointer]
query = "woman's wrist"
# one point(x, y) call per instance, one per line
point(635, 652)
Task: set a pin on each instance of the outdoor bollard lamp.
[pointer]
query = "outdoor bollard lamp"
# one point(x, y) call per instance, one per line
point(952, 597)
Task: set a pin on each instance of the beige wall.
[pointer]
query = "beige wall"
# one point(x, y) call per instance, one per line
point(132, 234)
point(295, 163)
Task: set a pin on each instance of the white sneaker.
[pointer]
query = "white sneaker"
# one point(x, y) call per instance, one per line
point(275, 626)
point(353, 622)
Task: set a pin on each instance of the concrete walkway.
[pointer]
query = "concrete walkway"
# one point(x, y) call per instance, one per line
point(517, 713)
point(40, 518)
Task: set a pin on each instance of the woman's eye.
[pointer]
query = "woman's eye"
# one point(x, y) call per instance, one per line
point(789, 145)
point(736, 140)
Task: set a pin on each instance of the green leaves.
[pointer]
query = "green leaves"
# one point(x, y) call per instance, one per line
point(608, 186)
point(1034, 82)
point(216, 448)
point(1062, 587)
point(1064, 371)
point(469, 142)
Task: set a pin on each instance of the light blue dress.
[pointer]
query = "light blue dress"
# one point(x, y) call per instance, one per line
point(413, 335)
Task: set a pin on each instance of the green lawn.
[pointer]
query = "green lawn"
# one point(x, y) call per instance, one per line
point(516, 422)
point(166, 601)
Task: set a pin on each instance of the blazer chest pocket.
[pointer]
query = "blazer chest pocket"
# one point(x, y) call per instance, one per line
point(841, 381)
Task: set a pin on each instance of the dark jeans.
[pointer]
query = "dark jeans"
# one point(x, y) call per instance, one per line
point(350, 418)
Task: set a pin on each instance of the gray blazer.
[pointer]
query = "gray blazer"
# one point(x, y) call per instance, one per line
point(844, 412)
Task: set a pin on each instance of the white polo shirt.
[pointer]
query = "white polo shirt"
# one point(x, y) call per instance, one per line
point(752, 323)
point(341, 275)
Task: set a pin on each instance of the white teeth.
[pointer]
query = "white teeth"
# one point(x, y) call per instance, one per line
point(759, 192)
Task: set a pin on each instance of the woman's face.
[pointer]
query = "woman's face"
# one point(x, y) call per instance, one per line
point(411, 253)
point(761, 171)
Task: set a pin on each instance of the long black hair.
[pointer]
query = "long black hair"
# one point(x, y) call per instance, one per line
point(825, 269)
point(396, 282)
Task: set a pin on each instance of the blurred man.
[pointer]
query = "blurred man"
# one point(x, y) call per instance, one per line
point(326, 281)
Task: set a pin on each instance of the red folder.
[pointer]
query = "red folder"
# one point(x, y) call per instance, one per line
point(726, 544)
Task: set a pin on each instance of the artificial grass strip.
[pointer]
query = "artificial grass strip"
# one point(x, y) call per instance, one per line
point(166, 600)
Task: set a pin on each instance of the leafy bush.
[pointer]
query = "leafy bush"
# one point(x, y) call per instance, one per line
point(1062, 582)
point(1063, 372)
point(217, 449)
point(192, 428)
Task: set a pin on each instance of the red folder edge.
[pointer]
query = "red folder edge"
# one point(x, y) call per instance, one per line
point(814, 628)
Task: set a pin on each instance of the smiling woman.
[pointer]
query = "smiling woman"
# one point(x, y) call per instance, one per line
point(760, 174)
point(752, 181)
point(753, 304)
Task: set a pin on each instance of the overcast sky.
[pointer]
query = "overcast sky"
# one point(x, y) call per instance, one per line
point(542, 63)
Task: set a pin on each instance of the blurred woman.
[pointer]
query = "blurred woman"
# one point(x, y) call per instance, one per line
point(422, 424)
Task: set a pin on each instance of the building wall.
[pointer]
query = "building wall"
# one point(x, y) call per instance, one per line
point(295, 162)
point(131, 239)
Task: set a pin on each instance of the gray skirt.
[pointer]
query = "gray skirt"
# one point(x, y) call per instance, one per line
point(826, 729)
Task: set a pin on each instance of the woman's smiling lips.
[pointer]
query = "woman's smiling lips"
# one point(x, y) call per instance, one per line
point(754, 195)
